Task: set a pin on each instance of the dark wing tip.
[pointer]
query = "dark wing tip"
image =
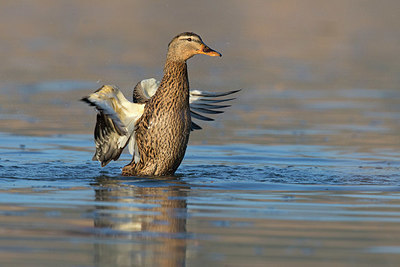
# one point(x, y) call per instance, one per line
point(104, 163)
point(209, 94)
point(195, 126)
point(200, 117)
point(87, 101)
point(207, 110)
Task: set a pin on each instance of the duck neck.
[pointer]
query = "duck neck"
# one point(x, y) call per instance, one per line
point(175, 82)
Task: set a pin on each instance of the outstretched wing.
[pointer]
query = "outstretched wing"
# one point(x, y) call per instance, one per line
point(201, 102)
point(115, 124)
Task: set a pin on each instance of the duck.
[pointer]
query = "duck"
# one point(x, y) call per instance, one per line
point(156, 125)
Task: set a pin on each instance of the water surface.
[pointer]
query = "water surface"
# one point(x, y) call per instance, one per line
point(58, 207)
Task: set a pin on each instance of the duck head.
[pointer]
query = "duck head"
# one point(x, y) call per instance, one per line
point(186, 45)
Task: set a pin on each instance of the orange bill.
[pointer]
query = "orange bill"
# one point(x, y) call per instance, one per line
point(208, 51)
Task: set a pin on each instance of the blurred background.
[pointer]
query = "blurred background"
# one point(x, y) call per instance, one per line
point(311, 71)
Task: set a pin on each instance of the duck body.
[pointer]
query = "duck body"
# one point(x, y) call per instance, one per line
point(157, 125)
point(163, 131)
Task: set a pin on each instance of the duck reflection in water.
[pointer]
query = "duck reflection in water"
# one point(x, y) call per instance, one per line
point(146, 224)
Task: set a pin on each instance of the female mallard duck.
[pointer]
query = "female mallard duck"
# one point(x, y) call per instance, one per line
point(157, 125)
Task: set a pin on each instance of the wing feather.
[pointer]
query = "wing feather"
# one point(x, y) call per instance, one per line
point(115, 123)
point(200, 117)
point(206, 110)
point(203, 102)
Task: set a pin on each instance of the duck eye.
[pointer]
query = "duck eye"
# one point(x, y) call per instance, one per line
point(189, 39)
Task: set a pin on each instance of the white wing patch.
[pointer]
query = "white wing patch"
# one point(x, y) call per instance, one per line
point(124, 114)
point(149, 87)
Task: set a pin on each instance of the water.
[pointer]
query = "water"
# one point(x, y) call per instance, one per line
point(302, 170)
point(58, 207)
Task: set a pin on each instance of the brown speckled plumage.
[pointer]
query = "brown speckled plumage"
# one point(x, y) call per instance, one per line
point(162, 132)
